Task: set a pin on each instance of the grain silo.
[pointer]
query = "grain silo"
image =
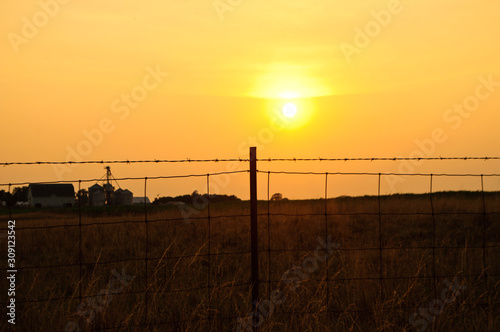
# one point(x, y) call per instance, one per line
point(96, 195)
point(123, 197)
point(105, 194)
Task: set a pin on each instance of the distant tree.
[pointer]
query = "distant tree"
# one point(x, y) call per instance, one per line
point(20, 194)
point(3, 195)
point(7, 197)
point(82, 197)
point(277, 197)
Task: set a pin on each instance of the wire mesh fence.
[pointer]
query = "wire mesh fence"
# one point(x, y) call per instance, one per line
point(397, 244)
point(378, 262)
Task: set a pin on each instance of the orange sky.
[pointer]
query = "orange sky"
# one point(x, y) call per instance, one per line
point(369, 79)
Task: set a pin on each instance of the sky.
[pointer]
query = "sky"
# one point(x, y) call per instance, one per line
point(129, 80)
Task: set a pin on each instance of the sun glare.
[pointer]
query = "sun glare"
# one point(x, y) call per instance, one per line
point(289, 80)
point(290, 110)
point(289, 95)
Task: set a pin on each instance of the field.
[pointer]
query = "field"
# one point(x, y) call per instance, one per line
point(443, 250)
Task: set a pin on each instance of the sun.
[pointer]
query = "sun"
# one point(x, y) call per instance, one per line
point(290, 110)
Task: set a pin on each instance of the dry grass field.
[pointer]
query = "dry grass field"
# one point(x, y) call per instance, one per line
point(105, 288)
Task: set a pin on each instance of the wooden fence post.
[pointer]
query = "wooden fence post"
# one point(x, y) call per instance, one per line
point(254, 235)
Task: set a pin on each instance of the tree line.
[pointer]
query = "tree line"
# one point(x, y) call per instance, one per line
point(19, 194)
point(195, 196)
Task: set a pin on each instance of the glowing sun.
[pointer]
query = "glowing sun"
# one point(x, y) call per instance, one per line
point(290, 110)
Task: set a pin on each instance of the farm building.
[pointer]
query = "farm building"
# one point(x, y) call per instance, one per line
point(51, 195)
point(96, 195)
point(123, 197)
point(105, 194)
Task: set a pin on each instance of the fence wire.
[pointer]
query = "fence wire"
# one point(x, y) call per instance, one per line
point(216, 160)
point(484, 300)
point(272, 215)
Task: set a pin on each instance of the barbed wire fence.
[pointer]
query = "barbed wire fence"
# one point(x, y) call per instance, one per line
point(259, 281)
point(147, 221)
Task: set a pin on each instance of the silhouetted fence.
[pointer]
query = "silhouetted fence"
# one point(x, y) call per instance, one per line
point(230, 263)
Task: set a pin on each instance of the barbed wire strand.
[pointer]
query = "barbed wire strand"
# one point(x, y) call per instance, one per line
point(217, 160)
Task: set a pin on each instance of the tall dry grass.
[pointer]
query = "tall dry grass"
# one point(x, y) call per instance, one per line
point(179, 269)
